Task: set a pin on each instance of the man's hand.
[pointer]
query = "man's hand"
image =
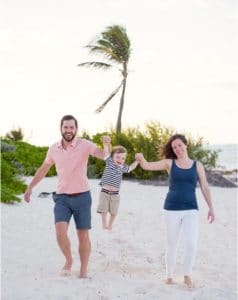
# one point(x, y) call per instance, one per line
point(27, 195)
point(106, 140)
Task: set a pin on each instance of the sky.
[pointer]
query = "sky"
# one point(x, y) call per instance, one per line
point(183, 69)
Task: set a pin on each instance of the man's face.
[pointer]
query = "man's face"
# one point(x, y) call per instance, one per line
point(68, 130)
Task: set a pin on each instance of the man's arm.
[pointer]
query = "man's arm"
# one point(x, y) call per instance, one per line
point(40, 173)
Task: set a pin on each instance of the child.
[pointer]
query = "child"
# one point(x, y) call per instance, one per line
point(110, 182)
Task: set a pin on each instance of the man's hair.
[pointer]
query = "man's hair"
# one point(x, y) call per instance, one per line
point(68, 118)
point(118, 149)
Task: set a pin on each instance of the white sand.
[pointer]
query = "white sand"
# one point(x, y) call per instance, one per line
point(127, 263)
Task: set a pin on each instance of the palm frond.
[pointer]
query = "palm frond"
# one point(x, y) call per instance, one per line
point(114, 44)
point(95, 64)
point(105, 49)
point(101, 107)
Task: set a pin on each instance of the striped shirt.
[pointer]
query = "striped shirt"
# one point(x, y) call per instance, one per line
point(112, 174)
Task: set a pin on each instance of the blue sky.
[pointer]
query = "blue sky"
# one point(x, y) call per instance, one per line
point(183, 69)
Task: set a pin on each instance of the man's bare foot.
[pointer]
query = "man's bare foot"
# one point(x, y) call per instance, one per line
point(188, 281)
point(66, 270)
point(169, 281)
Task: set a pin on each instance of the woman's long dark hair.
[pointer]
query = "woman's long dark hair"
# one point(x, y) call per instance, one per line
point(167, 150)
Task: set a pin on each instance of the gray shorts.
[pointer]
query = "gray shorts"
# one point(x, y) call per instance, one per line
point(108, 203)
point(76, 205)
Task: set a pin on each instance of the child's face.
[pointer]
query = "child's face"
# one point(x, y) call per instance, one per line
point(119, 158)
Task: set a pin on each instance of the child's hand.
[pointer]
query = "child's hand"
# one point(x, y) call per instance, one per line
point(139, 157)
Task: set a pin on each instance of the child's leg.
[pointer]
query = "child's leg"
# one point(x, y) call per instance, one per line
point(111, 220)
point(104, 220)
point(113, 209)
point(103, 208)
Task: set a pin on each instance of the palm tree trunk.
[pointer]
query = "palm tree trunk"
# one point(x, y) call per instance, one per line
point(118, 127)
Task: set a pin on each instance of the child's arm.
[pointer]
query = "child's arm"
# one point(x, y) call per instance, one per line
point(106, 146)
point(133, 166)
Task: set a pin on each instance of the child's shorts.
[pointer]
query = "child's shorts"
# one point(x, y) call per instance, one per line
point(108, 202)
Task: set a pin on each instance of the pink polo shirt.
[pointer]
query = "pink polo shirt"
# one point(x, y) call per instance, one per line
point(71, 165)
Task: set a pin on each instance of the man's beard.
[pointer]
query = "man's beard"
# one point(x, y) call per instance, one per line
point(68, 138)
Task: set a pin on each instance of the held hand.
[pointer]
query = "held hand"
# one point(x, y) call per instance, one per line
point(211, 216)
point(106, 140)
point(139, 157)
point(27, 195)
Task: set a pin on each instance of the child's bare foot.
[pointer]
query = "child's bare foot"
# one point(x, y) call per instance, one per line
point(109, 227)
point(169, 281)
point(104, 226)
point(188, 281)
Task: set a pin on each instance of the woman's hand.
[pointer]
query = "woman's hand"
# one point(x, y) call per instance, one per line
point(211, 216)
point(139, 157)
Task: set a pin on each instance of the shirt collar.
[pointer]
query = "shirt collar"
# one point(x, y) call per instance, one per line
point(71, 145)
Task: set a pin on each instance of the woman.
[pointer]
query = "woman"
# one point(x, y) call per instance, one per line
point(180, 206)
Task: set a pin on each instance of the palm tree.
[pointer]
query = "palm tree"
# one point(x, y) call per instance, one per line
point(15, 135)
point(114, 45)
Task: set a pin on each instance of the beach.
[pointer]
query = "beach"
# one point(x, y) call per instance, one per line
point(125, 263)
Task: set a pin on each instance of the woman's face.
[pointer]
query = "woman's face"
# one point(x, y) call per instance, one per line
point(179, 148)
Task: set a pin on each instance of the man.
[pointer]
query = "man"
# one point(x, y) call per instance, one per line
point(72, 197)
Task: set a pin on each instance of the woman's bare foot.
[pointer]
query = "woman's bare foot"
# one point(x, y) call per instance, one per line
point(169, 281)
point(82, 274)
point(188, 281)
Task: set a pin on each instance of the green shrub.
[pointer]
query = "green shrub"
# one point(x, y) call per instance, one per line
point(30, 157)
point(11, 184)
point(149, 143)
point(20, 158)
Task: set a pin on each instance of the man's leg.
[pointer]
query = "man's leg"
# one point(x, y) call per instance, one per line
point(84, 251)
point(64, 244)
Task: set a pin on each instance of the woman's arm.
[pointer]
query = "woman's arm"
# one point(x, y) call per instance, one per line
point(164, 164)
point(205, 191)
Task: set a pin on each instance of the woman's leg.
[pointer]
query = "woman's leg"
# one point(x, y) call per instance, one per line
point(190, 229)
point(173, 225)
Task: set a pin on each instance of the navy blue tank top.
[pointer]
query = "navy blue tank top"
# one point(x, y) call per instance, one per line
point(182, 186)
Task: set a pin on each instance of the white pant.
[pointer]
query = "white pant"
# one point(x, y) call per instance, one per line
point(188, 221)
